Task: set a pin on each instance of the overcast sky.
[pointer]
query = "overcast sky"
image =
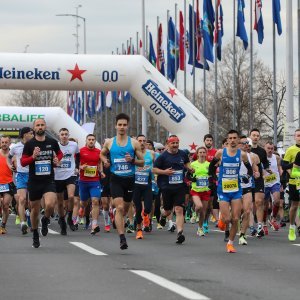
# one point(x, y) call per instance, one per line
point(32, 25)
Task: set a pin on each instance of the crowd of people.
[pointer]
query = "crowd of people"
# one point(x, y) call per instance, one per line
point(131, 182)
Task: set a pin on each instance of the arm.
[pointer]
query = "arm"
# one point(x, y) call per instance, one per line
point(279, 165)
point(157, 169)
point(213, 164)
point(247, 164)
point(138, 152)
point(104, 152)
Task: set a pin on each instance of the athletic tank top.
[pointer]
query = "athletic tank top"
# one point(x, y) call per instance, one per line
point(143, 174)
point(119, 166)
point(244, 172)
point(5, 172)
point(201, 175)
point(229, 179)
point(271, 179)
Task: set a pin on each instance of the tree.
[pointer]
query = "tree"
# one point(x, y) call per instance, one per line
point(33, 98)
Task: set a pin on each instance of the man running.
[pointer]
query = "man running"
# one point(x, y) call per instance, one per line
point(170, 167)
point(123, 151)
point(229, 187)
point(65, 178)
point(42, 154)
point(26, 134)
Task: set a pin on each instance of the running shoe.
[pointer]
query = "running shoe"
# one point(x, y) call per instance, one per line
point(44, 224)
point(171, 226)
point(265, 228)
point(180, 238)
point(81, 221)
point(42, 211)
point(24, 228)
point(146, 222)
point(230, 248)
point(63, 226)
point(158, 226)
point(253, 231)
point(95, 229)
point(205, 227)
point(139, 234)
point(123, 243)
point(292, 235)
point(18, 220)
point(70, 223)
point(107, 228)
point(274, 225)
point(56, 217)
point(3, 230)
point(282, 223)
point(35, 240)
point(200, 232)
point(213, 219)
point(260, 231)
point(221, 225)
point(242, 240)
point(163, 221)
point(193, 218)
point(226, 237)
point(130, 228)
point(298, 231)
point(81, 212)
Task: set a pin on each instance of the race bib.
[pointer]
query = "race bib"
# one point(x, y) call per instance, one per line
point(297, 183)
point(43, 167)
point(201, 182)
point(230, 185)
point(4, 188)
point(176, 177)
point(270, 179)
point(141, 177)
point(122, 166)
point(90, 171)
point(65, 164)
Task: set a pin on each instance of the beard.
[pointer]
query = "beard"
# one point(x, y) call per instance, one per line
point(40, 132)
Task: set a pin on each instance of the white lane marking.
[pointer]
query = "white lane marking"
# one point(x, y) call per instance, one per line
point(296, 245)
point(87, 248)
point(174, 287)
point(52, 231)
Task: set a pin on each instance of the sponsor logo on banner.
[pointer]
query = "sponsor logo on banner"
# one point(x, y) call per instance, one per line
point(151, 89)
point(34, 73)
point(20, 117)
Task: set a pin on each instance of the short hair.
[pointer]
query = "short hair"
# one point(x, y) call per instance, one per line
point(224, 141)
point(208, 136)
point(37, 120)
point(90, 134)
point(254, 129)
point(122, 116)
point(201, 147)
point(243, 136)
point(5, 137)
point(151, 143)
point(140, 136)
point(63, 129)
point(270, 143)
point(233, 131)
point(73, 140)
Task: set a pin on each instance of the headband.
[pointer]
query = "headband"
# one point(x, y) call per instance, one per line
point(173, 139)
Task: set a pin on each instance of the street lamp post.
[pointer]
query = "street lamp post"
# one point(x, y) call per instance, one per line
point(84, 28)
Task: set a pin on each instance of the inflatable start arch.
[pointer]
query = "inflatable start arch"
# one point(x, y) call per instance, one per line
point(131, 73)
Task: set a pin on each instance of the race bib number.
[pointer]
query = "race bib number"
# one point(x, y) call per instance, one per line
point(141, 177)
point(230, 185)
point(122, 166)
point(4, 188)
point(270, 179)
point(65, 164)
point(90, 171)
point(201, 182)
point(297, 183)
point(176, 177)
point(43, 167)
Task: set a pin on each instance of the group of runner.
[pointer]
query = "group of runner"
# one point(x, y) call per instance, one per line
point(236, 185)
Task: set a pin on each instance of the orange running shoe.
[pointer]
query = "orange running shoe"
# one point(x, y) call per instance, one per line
point(139, 234)
point(221, 225)
point(81, 212)
point(3, 230)
point(146, 222)
point(107, 228)
point(230, 248)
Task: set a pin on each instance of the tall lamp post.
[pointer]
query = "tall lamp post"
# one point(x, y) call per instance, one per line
point(84, 27)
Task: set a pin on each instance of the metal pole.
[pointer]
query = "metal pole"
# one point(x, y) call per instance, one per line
point(144, 113)
point(122, 93)
point(251, 125)
point(176, 53)
point(137, 104)
point(274, 87)
point(234, 75)
point(157, 124)
point(204, 90)
point(84, 35)
point(184, 54)
point(193, 43)
point(77, 25)
point(216, 83)
point(298, 17)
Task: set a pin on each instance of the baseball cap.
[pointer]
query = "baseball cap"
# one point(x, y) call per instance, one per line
point(24, 130)
point(250, 141)
point(158, 146)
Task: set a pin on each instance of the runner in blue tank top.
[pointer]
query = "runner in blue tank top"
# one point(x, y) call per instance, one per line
point(123, 151)
point(229, 186)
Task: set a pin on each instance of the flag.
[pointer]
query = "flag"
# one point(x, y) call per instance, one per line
point(198, 34)
point(94, 96)
point(172, 50)
point(276, 15)
point(189, 68)
point(160, 62)
point(127, 96)
point(70, 105)
point(258, 22)
point(181, 42)
point(88, 104)
point(152, 55)
point(241, 30)
point(108, 99)
point(100, 101)
point(219, 31)
point(208, 29)
point(115, 96)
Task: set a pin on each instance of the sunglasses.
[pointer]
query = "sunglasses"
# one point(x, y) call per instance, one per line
point(162, 149)
point(244, 143)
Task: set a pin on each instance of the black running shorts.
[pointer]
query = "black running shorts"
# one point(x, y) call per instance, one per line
point(172, 198)
point(121, 187)
point(37, 189)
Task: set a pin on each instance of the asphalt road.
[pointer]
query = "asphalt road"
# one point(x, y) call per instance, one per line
point(153, 268)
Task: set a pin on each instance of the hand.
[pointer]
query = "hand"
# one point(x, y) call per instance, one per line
point(56, 161)
point(169, 171)
point(102, 175)
point(256, 175)
point(128, 158)
point(191, 170)
point(82, 167)
point(76, 171)
point(36, 152)
point(245, 178)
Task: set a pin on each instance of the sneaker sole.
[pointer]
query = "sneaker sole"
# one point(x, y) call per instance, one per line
point(24, 229)
point(180, 239)
point(96, 230)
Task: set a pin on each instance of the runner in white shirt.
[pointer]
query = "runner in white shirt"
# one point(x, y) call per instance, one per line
point(65, 178)
point(26, 134)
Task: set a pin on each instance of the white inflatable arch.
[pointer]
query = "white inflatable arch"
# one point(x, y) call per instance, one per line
point(133, 73)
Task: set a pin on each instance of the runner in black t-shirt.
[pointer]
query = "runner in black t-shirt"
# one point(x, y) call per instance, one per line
point(41, 154)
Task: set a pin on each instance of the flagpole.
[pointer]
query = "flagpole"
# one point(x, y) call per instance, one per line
point(137, 104)
point(216, 82)
point(157, 123)
point(106, 123)
point(122, 93)
point(194, 56)
point(117, 102)
point(168, 17)
point(144, 113)
point(184, 54)
point(176, 6)
point(130, 101)
point(274, 87)
point(298, 19)
point(251, 69)
point(101, 116)
point(234, 75)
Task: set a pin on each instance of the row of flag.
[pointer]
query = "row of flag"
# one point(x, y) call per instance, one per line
point(88, 103)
